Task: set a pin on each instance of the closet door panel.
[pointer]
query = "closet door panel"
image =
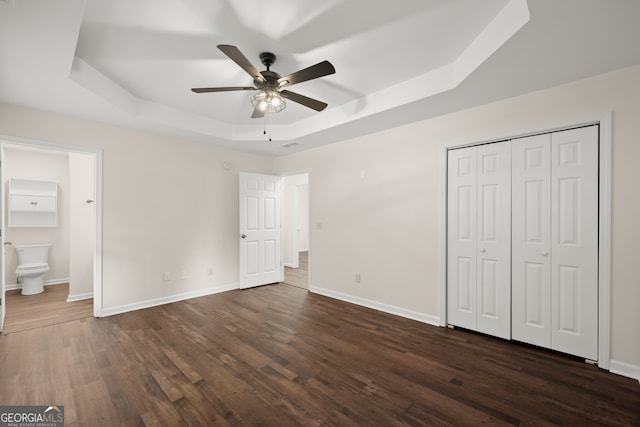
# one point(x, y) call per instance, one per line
point(461, 237)
point(574, 212)
point(494, 239)
point(531, 233)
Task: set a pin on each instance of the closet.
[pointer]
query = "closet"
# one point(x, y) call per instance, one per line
point(522, 240)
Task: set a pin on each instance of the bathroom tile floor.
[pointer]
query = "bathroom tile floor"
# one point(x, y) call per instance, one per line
point(48, 308)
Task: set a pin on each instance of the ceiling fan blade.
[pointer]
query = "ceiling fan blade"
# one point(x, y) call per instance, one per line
point(321, 69)
point(236, 56)
point(220, 89)
point(257, 114)
point(314, 104)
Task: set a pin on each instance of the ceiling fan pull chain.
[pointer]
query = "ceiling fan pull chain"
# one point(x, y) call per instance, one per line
point(266, 118)
point(264, 129)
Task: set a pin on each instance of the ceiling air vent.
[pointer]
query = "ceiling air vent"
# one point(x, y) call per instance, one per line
point(289, 144)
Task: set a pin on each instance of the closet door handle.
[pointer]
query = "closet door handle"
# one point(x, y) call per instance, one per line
point(544, 253)
point(483, 250)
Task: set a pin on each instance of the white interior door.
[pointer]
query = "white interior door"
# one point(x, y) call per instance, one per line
point(260, 230)
point(555, 241)
point(494, 240)
point(3, 302)
point(462, 237)
point(479, 239)
point(574, 243)
point(531, 240)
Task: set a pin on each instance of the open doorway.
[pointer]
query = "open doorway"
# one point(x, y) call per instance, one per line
point(68, 284)
point(295, 200)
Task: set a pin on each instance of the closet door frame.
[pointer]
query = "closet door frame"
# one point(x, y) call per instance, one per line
point(604, 216)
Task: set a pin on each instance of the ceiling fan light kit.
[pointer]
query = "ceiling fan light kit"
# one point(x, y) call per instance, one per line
point(268, 101)
point(270, 98)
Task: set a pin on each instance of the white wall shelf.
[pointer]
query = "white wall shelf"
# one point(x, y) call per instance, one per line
point(32, 203)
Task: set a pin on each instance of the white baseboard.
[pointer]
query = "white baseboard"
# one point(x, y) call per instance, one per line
point(409, 314)
point(12, 286)
point(79, 297)
point(625, 369)
point(166, 300)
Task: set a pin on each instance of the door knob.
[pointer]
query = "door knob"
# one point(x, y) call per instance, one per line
point(544, 253)
point(483, 250)
point(244, 236)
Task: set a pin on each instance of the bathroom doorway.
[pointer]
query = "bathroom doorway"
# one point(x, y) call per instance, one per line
point(69, 283)
point(296, 229)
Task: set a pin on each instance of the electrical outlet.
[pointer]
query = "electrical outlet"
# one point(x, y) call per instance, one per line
point(358, 278)
point(184, 274)
point(210, 271)
point(167, 276)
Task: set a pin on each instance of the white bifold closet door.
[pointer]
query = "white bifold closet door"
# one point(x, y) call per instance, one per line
point(555, 241)
point(479, 238)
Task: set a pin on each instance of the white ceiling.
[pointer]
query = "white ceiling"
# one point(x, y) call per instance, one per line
point(132, 63)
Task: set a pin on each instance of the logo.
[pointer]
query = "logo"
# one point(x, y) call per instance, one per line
point(32, 416)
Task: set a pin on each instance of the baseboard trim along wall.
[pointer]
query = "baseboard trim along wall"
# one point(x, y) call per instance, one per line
point(12, 286)
point(110, 311)
point(79, 297)
point(409, 314)
point(625, 369)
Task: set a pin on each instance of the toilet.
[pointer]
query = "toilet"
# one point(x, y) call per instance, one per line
point(32, 266)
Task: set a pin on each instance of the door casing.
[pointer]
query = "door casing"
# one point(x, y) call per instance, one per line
point(97, 255)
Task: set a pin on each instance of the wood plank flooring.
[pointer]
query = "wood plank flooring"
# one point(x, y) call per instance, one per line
point(47, 308)
point(298, 276)
point(278, 355)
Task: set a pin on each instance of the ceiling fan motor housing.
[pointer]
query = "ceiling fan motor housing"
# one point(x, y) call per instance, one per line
point(271, 78)
point(267, 59)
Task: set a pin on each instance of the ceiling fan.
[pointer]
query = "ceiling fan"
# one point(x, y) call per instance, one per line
point(269, 84)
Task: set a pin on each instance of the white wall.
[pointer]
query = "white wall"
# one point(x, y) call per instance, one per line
point(289, 213)
point(169, 206)
point(303, 217)
point(378, 199)
point(82, 229)
point(44, 165)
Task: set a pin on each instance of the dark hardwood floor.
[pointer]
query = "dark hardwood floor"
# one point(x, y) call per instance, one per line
point(278, 355)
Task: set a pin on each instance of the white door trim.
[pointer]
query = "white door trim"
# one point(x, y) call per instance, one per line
point(3, 232)
point(604, 216)
point(97, 257)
